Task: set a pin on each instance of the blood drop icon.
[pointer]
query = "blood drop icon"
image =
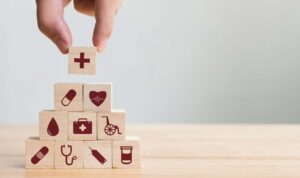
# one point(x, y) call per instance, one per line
point(52, 127)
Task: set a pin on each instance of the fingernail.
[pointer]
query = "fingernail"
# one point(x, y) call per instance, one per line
point(101, 47)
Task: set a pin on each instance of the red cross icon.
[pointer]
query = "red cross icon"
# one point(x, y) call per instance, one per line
point(82, 60)
point(82, 127)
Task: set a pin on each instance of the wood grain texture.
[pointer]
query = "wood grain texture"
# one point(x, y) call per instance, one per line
point(181, 150)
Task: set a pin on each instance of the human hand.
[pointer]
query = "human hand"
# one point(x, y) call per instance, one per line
point(50, 18)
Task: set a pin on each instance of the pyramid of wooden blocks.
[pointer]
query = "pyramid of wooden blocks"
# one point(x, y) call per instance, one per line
point(82, 131)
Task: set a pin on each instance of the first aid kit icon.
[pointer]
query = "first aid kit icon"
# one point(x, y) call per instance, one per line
point(82, 126)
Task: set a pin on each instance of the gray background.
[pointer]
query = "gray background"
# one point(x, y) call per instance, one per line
point(169, 61)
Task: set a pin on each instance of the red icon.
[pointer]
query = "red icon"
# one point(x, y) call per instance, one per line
point(62, 147)
point(97, 97)
point(39, 155)
point(68, 97)
point(52, 128)
point(82, 60)
point(126, 154)
point(110, 129)
point(98, 156)
point(82, 126)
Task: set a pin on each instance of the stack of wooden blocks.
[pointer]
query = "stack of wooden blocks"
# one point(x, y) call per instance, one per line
point(82, 131)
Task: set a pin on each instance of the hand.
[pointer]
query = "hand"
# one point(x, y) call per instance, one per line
point(51, 20)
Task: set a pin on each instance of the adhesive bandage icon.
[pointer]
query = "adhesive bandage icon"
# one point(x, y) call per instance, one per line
point(39, 155)
point(67, 99)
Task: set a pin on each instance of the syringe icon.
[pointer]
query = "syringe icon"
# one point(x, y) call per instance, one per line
point(98, 156)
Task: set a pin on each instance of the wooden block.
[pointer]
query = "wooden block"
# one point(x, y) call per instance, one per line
point(68, 96)
point(82, 126)
point(68, 154)
point(82, 60)
point(53, 125)
point(111, 125)
point(97, 154)
point(39, 153)
point(126, 153)
point(97, 97)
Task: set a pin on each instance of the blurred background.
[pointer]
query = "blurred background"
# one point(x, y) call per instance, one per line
point(169, 61)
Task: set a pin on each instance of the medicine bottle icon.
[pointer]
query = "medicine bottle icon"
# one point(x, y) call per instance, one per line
point(126, 154)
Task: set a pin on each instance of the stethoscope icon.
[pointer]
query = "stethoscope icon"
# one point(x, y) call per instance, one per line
point(67, 155)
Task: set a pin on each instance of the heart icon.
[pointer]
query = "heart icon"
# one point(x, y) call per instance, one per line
point(97, 97)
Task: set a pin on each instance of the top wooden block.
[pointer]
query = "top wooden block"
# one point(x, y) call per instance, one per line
point(82, 60)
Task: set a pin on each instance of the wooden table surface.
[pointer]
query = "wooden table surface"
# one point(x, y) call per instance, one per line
point(180, 150)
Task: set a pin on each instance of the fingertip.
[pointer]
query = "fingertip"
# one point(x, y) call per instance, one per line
point(63, 45)
point(64, 50)
point(101, 46)
point(100, 42)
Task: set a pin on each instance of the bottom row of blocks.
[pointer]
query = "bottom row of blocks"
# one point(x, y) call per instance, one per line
point(83, 154)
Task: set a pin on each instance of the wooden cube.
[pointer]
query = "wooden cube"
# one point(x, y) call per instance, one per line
point(53, 125)
point(68, 154)
point(111, 125)
point(39, 153)
point(82, 60)
point(82, 126)
point(97, 154)
point(68, 96)
point(97, 97)
point(126, 153)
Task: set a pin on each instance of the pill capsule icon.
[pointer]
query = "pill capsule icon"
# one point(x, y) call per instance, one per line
point(39, 155)
point(68, 97)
